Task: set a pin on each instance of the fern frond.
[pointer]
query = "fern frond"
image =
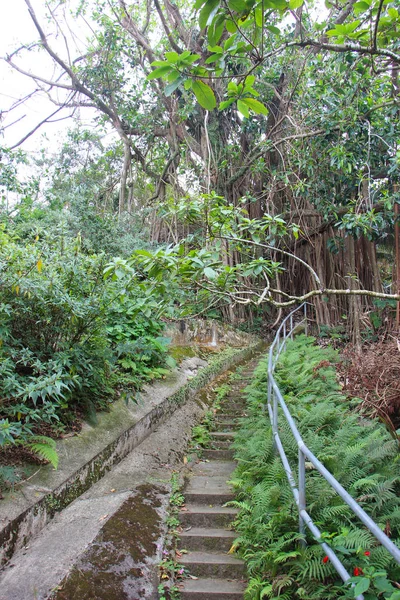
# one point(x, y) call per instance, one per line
point(45, 447)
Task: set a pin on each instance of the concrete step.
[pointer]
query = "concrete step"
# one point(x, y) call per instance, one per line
point(221, 445)
point(208, 490)
point(212, 589)
point(222, 436)
point(198, 515)
point(224, 417)
point(218, 468)
point(218, 454)
point(207, 539)
point(232, 406)
point(213, 564)
point(231, 416)
point(225, 425)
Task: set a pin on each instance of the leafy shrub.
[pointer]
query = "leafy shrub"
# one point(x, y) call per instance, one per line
point(361, 455)
point(69, 336)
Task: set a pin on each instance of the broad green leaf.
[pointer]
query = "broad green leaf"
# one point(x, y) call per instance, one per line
point(229, 42)
point(171, 57)
point(213, 58)
point(273, 29)
point(255, 106)
point(225, 104)
point(191, 59)
point(237, 5)
point(159, 72)
point(232, 88)
point(259, 16)
point(250, 79)
point(159, 63)
point(173, 75)
point(210, 273)
point(199, 3)
point(204, 95)
point(216, 29)
point(206, 11)
point(360, 7)
point(293, 4)
point(243, 108)
point(230, 26)
point(276, 4)
point(343, 29)
point(171, 87)
point(362, 586)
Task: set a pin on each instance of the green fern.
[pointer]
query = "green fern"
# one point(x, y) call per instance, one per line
point(363, 457)
point(44, 447)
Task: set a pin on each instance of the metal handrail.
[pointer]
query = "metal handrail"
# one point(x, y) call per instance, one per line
point(275, 399)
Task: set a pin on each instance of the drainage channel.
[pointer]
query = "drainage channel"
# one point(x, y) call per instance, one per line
point(108, 543)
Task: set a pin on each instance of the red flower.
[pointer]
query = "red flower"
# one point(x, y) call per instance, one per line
point(367, 553)
point(325, 559)
point(357, 571)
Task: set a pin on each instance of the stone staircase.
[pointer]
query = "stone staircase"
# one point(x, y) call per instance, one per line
point(205, 520)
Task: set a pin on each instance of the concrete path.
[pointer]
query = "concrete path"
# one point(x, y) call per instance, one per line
point(108, 543)
point(207, 535)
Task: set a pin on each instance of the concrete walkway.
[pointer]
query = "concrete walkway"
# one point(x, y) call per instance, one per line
point(207, 535)
point(107, 544)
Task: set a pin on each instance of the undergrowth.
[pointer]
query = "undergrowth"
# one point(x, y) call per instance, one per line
point(359, 453)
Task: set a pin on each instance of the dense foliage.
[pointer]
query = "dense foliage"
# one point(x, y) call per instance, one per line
point(282, 109)
point(360, 454)
point(73, 331)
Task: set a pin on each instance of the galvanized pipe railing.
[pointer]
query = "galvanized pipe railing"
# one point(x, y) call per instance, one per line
point(275, 400)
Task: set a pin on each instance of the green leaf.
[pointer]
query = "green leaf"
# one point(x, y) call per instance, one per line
point(213, 58)
point(205, 13)
point(171, 57)
point(293, 4)
point(232, 88)
point(250, 79)
point(273, 29)
point(259, 16)
point(190, 59)
point(237, 5)
point(210, 273)
point(229, 42)
point(170, 88)
point(360, 7)
point(46, 448)
point(172, 76)
point(255, 106)
point(204, 95)
point(230, 26)
point(216, 29)
point(243, 108)
point(362, 586)
point(225, 104)
point(159, 72)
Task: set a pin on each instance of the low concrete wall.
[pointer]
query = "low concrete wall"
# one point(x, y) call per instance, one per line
point(84, 459)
